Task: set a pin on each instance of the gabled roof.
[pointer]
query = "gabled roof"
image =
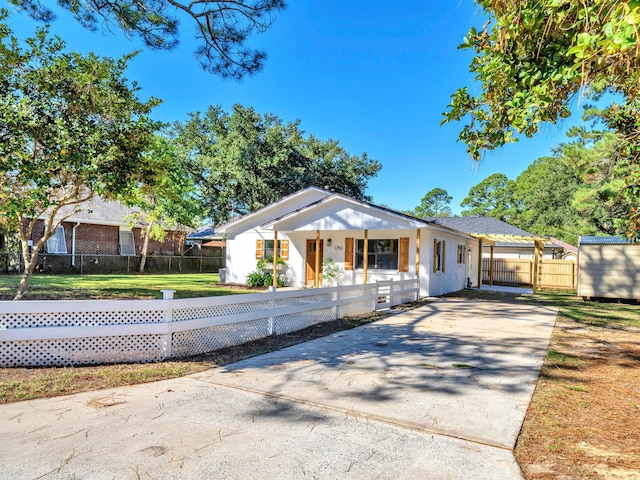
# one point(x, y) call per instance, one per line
point(287, 219)
point(272, 206)
point(597, 240)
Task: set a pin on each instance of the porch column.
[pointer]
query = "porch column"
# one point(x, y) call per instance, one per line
point(479, 263)
point(365, 260)
point(418, 253)
point(317, 279)
point(491, 265)
point(275, 258)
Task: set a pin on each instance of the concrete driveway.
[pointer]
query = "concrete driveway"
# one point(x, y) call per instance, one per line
point(436, 392)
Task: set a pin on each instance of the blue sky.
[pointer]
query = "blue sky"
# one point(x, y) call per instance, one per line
point(374, 74)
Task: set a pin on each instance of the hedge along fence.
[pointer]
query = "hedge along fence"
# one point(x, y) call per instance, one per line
point(109, 264)
point(83, 332)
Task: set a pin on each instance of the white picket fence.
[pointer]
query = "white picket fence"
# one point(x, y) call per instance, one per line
point(82, 332)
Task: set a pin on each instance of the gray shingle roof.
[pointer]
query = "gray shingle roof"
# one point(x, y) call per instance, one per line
point(481, 225)
point(203, 233)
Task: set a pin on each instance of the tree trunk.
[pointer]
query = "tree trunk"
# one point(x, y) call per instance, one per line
point(145, 246)
point(30, 262)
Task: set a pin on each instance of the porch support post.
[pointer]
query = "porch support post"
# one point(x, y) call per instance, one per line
point(418, 254)
point(365, 262)
point(275, 258)
point(536, 266)
point(479, 263)
point(317, 279)
point(491, 265)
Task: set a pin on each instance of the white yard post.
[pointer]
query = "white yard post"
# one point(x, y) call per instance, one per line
point(167, 295)
point(272, 305)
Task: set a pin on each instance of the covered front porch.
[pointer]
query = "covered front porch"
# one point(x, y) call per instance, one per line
point(363, 256)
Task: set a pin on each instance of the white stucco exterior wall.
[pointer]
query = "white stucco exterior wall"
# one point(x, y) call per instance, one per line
point(340, 218)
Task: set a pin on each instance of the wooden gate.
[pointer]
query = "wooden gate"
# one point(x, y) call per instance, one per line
point(561, 274)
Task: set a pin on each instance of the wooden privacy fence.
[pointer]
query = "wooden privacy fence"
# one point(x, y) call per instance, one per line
point(561, 274)
point(80, 332)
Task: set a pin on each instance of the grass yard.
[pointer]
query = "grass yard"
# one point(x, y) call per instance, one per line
point(70, 287)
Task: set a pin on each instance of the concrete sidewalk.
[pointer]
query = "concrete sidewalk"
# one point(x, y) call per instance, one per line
point(436, 392)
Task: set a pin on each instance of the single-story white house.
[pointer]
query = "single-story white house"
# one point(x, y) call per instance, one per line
point(367, 242)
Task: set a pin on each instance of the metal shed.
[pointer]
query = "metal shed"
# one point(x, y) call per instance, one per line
point(608, 267)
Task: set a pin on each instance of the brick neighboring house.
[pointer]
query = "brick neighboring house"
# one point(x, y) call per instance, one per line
point(101, 230)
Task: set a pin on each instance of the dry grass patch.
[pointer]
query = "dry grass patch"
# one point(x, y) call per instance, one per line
point(584, 418)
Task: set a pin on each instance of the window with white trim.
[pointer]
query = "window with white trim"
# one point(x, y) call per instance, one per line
point(439, 248)
point(382, 254)
point(57, 243)
point(127, 245)
point(462, 254)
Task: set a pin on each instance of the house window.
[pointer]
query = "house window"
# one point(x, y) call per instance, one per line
point(382, 254)
point(57, 243)
point(264, 249)
point(127, 246)
point(439, 249)
point(462, 254)
point(268, 248)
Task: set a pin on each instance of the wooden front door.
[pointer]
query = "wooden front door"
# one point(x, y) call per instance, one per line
point(310, 276)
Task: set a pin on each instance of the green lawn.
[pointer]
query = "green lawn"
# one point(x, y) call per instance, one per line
point(117, 286)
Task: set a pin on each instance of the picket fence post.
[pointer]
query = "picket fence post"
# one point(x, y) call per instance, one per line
point(167, 296)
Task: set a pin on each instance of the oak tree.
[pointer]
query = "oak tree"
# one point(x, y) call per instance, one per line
point(71, 126)
point(244, 160)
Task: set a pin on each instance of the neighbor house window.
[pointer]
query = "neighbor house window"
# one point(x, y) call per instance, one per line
point(264, 249)
point(382, 254)
point(439, 247)
point(127, 246)
point(57, 243)
point(462, 254)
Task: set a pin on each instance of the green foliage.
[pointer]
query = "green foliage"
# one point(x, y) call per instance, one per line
point(492, 197)
point(534, 56)
point(222, 27)
point(167, 198)
point(71, 126)
point(436, 203)
point(243, 160)
point(331, 272)
point(262, 276)
point(577, 191)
